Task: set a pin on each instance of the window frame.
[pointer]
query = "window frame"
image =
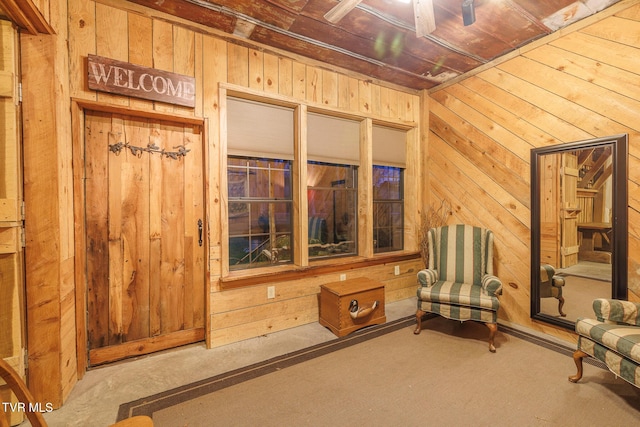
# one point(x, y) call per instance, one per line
point(353, 192)
point(301, 265)
point(272, 233)
point(400, 200)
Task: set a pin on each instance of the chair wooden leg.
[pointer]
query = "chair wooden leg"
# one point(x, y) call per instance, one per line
point(560, 304)
point(493, 327)
point(578, 355)
point(419, 315)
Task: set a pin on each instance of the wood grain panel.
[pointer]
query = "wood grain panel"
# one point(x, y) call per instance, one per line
point(215, 69)
point(135, 230)
point(163, 52)
point(82, 41)
point(115, 256)
point(285, 76)
point(140, 29)
point(246, 312)
point(131, 33)
point(154, 286)
point(494, 93)
point(238, 62)
point(313, 90)
point(329, 88)
point(364, 97)
point(299, 81)
point(256, 69)
point(617, 28)
point(606, 77)
point(483, 116)
point(581, 96)
point(97, 235)
point(471, 144)
point(111, 42)
point(271, 73)
point(183, 58)
point(578, 86)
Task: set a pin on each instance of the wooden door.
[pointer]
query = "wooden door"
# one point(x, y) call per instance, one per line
point(550, 209)
point(569, 245)
point(145, 234)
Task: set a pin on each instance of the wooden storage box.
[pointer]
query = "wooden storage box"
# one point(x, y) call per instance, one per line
point(335, 302)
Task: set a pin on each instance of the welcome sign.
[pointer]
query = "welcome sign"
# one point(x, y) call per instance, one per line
point(123, 78)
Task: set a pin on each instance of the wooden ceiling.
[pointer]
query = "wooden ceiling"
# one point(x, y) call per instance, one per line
point(378, 37)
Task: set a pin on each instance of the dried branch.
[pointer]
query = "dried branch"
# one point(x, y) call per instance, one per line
point(432, 217)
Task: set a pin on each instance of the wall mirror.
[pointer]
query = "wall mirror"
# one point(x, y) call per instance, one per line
point(578, 227)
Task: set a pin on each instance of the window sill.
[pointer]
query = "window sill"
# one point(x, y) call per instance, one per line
point(239, 279)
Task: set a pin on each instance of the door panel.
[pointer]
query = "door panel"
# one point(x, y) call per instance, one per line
point(145, 264)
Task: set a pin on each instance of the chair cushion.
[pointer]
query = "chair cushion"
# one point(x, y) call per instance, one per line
point(622, 339)
point(459, 312)
point(446, 292)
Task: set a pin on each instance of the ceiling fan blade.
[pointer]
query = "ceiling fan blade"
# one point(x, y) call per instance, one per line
point(340, 10)
point(425, 17)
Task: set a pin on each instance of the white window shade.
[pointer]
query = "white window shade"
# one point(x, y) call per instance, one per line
point(389, 146)
point(257, 129)
point(333, 139)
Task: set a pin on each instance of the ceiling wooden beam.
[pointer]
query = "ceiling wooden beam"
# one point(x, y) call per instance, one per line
point(425, 17)
point(340, 10)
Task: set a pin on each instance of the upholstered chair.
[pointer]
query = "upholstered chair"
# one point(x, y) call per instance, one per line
point(35, 417)
point(459, 283)
point(613, 337)
point(551, 285)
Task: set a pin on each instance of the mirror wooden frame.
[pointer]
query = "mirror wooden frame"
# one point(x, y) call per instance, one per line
point(619, 153)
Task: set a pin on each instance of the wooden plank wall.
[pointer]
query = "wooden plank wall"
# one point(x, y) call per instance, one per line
point(11, 251)
point(575, 86)
point(579, 85)
point(127, 32)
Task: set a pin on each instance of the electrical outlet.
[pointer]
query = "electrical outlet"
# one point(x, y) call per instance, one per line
point(343, 277)
point(396, 270)
point(271, 292)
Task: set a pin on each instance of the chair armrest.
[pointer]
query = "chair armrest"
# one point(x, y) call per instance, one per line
point(557, 281)
point(491, 284)
point(427, 277)
point(618, 311)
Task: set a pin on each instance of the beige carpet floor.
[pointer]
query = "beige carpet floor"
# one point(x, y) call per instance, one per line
point(443, 377)
point(589, 269)
point(579, 293)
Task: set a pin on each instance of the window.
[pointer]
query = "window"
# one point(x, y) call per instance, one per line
point(259, 184)
point(333, 150)
point(388, 189)
point(388, 209)
point(265, 186)
point(332, 198)
point(260, 212)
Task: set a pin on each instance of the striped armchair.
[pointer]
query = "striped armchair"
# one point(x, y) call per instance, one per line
point(613, 337)
point(551, 286)
point(459, 283)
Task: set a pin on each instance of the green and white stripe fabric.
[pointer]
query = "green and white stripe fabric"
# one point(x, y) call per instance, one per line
point(614, 337)
point(459, 253)
point(459, 283)
point(617, 311)
point(550, 284)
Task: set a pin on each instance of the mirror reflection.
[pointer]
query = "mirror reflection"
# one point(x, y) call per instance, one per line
point(578, 228)
point(575, 230)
